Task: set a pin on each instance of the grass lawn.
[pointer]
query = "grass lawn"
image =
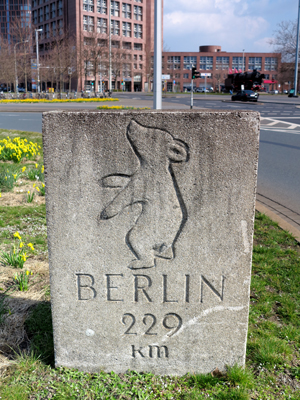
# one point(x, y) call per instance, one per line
point(26, 344)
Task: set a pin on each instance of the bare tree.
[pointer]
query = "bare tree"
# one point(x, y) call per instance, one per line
point(7, 69)
point(285, 39)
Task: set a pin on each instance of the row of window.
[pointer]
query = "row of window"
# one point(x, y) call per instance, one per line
point(88, 5)
point(50, 11)
point(51, 29)
point(222, 63)
point(88, 25)
point(36, 3)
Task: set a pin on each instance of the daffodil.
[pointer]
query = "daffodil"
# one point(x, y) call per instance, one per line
point(27, 272)
point(21, 245)
point(23, 169)
point(30, 245)
point(37, 188)
point(17, 235)
point(36, 165)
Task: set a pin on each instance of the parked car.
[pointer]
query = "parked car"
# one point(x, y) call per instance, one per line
point(245, 95)
point(21, 90)
point(202, 90)
point(292, 93)
point(273, 91)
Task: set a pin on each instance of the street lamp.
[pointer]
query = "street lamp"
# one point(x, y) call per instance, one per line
point(37, 56)
point(243, 61)
point(16, 74)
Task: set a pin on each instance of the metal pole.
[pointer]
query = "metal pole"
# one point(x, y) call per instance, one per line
point(192, 93)
point(157, 97)
point(37, 57)
point(205, 84)
point(243, 61)
point(16, 78)
point(109, 45)
point(297, 55)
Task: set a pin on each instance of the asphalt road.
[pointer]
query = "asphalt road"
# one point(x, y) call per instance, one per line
point(279, 155)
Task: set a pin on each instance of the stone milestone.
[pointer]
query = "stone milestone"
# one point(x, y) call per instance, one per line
point(150, 224)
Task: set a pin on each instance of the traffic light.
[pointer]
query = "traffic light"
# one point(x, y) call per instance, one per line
point(122, 82)
point(195, 74)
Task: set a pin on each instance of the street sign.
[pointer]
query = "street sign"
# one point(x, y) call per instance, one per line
point(165, 77)
point(174, 82)
point(205, 74)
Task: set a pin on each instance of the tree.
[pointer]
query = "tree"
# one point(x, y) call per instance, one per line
point(285, 40)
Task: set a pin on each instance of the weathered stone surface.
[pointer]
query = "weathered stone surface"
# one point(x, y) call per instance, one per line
point(150, 222)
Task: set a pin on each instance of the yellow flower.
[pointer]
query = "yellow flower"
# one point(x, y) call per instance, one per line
point(23, 169)
point(21, 245)
point(17, 235)
point(6, 178)
point(15, 176)
point(24, 258)
point(33, 185)
point(43, 184)
point(0, 195)
point(27, 272)
point(28, 192)
point(36, 165)
point(42, 169)
point(37, 188)
point(31, 246)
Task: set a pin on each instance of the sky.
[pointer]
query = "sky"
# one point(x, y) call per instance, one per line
point(233, 24)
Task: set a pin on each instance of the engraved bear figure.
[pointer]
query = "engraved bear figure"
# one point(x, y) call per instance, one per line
point(154, 187)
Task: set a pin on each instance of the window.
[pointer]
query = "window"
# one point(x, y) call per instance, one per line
point(115, 8)
point(101, 25)
point(138, 31)
point(140, 66)
point(174, 59)
point(140, 57)
point(35, 17)
point(177, 76)
point(126, 29)
point(135, 57)
point(222, 62)
point(134, 66)
point(41, 18)
point(47, 31)
point(238, 63)
point(138, 1)
point(53, 27)
point(271, 63)
point(53, 10)
point(88, 23)
point(138, 13)
point(206, 63)
point(47, 14)
point(138, 46)
point(185, 76)
point(115, 27)
point(126, 71)
point(254, 63)
point(126, 10)
point(189, 61)
point(102, 43)
point(115, 44)
point(102, 6)
point(88, 5)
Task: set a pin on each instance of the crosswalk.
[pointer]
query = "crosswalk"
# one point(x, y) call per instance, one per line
point(272, 124)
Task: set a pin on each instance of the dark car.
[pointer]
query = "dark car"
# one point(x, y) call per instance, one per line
point(245, 95)
point(292, 93)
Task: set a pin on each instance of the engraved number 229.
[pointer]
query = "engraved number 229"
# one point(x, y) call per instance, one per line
point(152, 319)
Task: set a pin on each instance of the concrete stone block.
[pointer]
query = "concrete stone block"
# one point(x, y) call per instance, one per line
point(150, 223)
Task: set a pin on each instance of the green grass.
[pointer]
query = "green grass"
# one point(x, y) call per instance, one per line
point(273, 350)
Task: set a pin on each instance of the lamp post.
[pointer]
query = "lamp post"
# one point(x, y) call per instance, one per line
point(109, 46)
point(16, 73)
point(157, 98)
point(243, 61)
point(297, 55)
point(37, 57)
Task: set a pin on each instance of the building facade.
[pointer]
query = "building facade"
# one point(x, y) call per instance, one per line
point(212, 60)
point(132, 37)
point(11, 11)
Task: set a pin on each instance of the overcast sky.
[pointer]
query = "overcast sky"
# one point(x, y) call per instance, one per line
point(233, 24)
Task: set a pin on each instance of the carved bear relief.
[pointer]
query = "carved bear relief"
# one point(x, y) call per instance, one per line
point(153, 185)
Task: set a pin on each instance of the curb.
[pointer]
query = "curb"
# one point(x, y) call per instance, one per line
point(281, 222)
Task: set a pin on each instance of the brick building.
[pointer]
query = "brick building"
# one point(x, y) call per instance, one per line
point(12, 10)
point(211, 59)
point(132, 32)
